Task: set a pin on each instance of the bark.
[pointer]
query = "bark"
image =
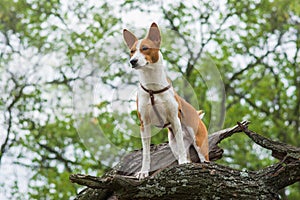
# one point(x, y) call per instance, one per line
point(169, 180)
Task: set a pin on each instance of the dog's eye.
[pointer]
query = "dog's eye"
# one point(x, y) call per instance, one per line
point(144, 48)
point(132, 51)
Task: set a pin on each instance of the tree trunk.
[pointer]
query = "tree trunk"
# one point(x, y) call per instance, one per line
point(169, 180)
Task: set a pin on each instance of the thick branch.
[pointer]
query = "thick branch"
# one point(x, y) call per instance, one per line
point(196, 180)
point(116, 181)
point(279, 176)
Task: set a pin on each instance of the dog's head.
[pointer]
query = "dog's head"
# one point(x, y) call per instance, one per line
point(145, 51)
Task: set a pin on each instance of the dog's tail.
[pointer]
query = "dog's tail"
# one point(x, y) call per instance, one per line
point(201, 114)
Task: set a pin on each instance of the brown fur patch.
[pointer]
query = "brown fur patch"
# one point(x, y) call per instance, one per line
point(133, 49)
point(150, 50)
point(202, 139)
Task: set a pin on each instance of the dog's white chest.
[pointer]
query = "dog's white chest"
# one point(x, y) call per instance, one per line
point(157, 113)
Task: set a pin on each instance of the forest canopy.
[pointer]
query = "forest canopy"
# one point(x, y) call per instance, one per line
point(68, 92)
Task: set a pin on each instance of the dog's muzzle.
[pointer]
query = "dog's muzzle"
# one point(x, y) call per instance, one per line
point(133, 63)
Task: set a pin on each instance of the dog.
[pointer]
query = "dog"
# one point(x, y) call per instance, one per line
point(159, 105)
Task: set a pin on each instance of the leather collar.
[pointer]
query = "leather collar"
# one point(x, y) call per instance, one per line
point(152, 92)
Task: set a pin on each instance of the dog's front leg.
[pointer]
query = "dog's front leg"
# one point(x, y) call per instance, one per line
point(146, 139)
point(182, 154)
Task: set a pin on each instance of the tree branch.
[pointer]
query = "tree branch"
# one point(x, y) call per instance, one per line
point(286, 153)
point(17, 94)
point(195, 180)
point(169, 180)
point(58, 156)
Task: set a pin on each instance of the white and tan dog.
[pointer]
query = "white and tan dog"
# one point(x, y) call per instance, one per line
point(159, 105)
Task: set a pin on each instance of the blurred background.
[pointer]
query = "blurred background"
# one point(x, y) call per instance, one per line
point(67, 92)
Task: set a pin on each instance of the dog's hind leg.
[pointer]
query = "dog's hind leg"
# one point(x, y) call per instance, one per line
point(201, 142)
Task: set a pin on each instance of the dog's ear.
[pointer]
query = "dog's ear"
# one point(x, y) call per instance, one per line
point(129, 38)
point(154, 34)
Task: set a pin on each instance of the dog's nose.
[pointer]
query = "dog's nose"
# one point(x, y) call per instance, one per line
point(133, 62)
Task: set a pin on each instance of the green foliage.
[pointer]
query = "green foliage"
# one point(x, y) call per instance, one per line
point(62, 60)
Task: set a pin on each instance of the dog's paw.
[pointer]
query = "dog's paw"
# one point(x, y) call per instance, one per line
point(183, 161)
point(142, 174)
point(206, 162)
